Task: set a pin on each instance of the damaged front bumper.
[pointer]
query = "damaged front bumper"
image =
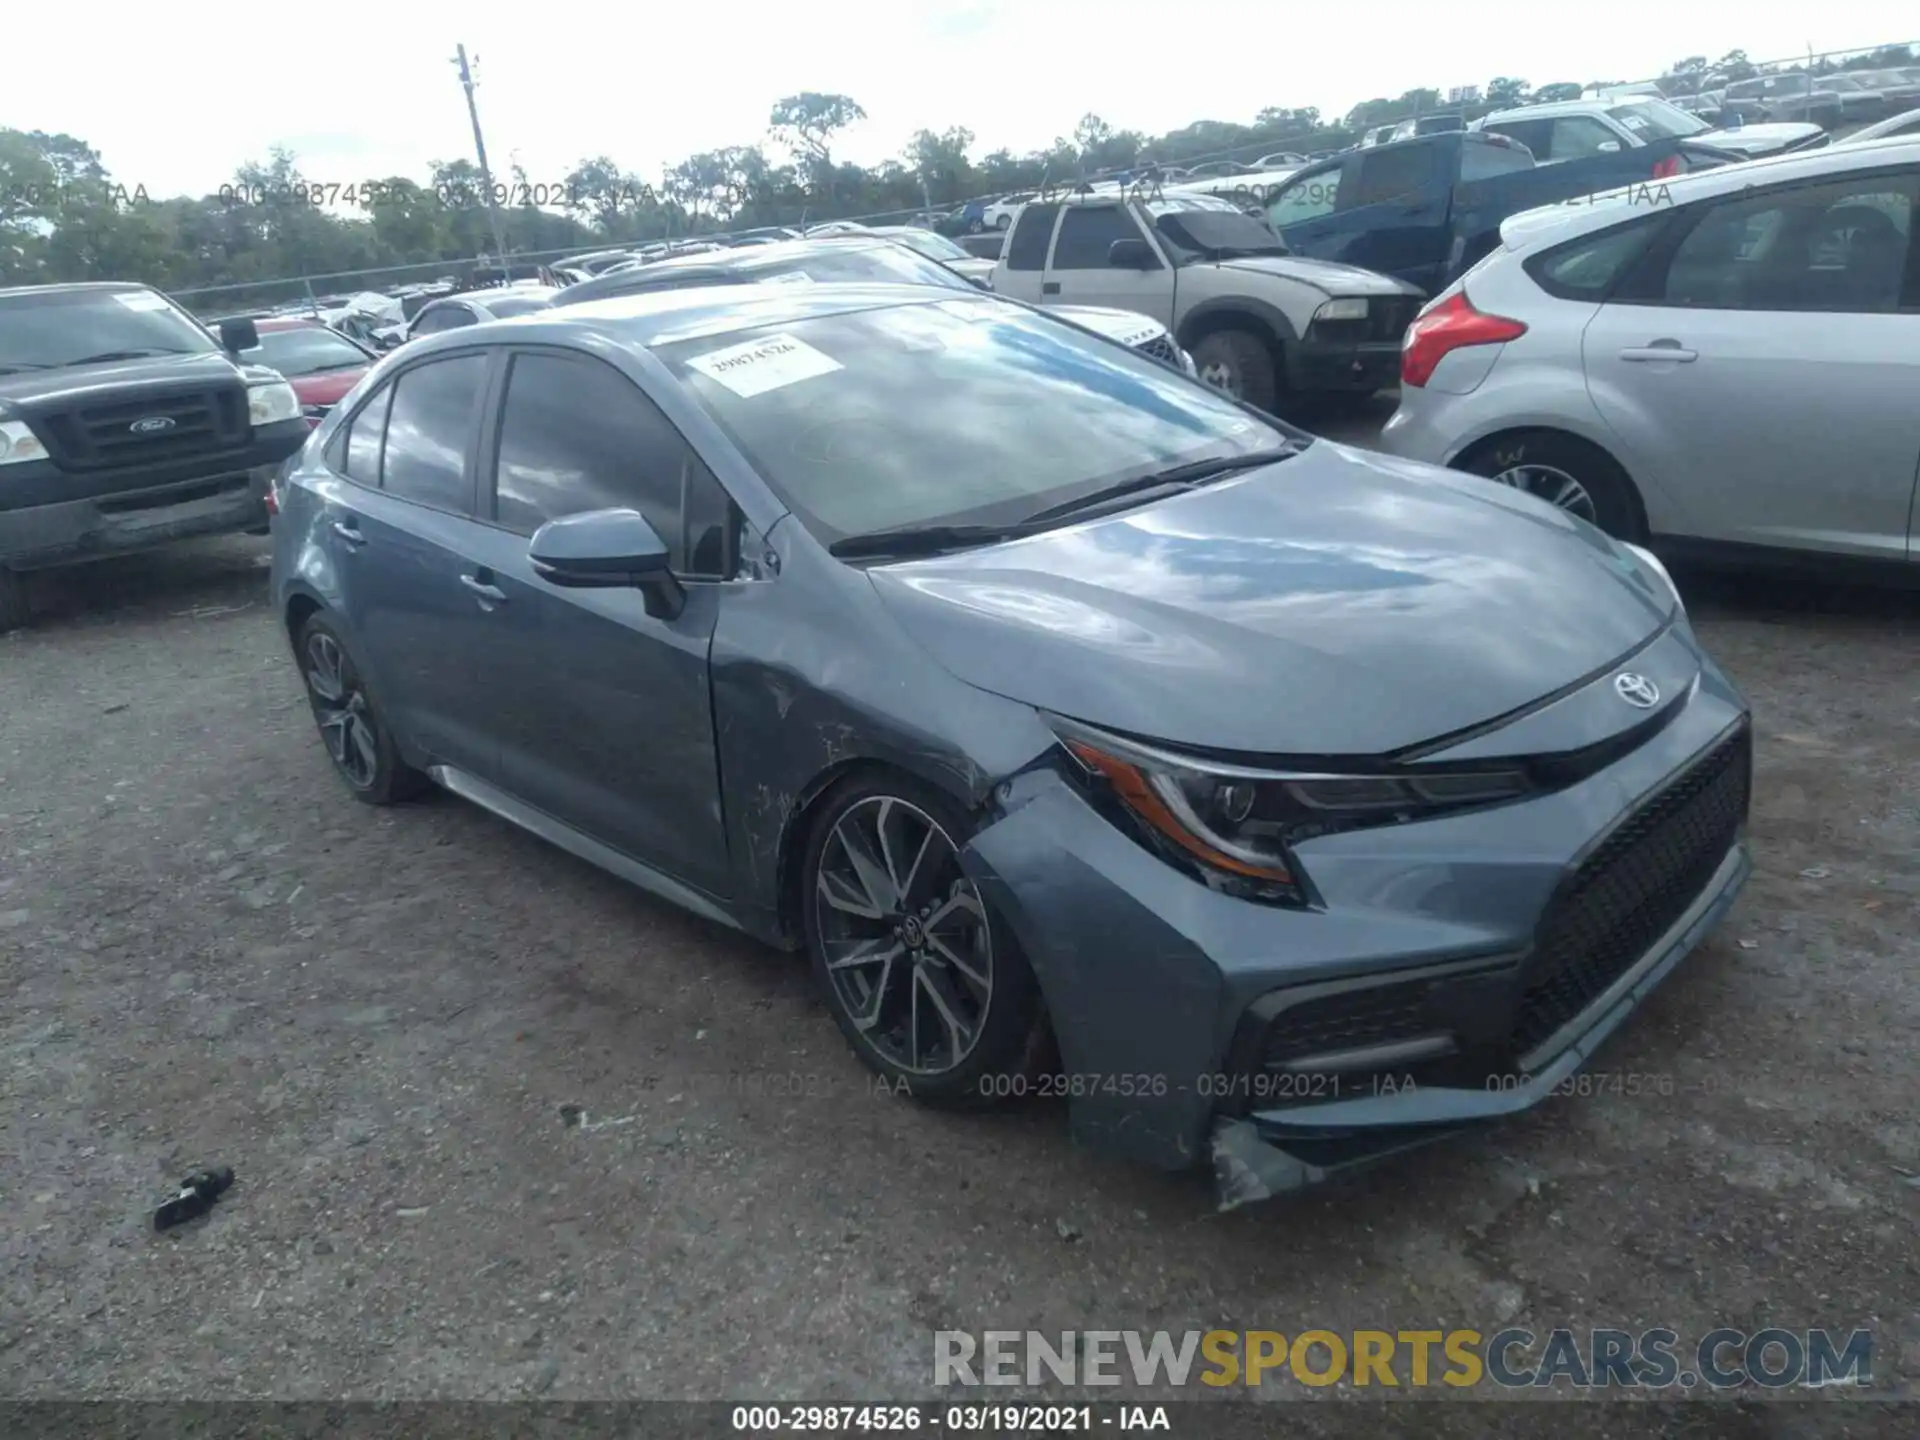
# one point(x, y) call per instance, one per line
point(1167, 997)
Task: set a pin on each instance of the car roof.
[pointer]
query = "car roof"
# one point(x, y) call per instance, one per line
point(74, 286)
point(289, 322)
point(1550, 223)
point(659, 317)
point(1551, 108)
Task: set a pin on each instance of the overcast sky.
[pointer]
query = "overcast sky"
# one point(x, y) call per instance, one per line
point(360, 90)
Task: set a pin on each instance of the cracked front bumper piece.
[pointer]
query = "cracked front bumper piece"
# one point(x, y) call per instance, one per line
point(1453, 971)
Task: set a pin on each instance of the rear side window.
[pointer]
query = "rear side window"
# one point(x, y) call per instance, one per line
point(1392, 174)
point(1480, 160)
point(1589, 268)
point(1032, 230)
point(429, 429)
point(360, 459)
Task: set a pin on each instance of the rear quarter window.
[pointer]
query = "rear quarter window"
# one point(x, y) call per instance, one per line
point(1590, 267)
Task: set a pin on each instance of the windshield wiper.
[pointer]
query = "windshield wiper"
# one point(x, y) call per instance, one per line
point(1195, 471)
point(14, 367)
point(106, 355)
point(921, 540)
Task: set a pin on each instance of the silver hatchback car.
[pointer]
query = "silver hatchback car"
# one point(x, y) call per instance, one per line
point(1726, 362)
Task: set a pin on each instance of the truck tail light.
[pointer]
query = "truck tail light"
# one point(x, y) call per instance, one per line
point(1451, 325)
point(1667, 168)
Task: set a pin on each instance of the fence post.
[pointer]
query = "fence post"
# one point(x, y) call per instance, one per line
point(313, 305)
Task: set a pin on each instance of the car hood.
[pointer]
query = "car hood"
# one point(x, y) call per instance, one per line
point(155, 374)
point(1324, 275)
point(327, 387)
point(1127, 326)
point(1758, 139)
point(974, 267)
point(1334, 603)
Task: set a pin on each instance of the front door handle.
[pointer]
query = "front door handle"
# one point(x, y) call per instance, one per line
point(349, 532)
point(491, 593)
point(1050, 287)
point(1660, 350)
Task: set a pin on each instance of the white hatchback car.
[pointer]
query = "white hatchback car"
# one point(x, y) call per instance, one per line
point(1725, 360)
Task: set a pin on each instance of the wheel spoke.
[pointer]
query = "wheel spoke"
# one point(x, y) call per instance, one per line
point(839, 892)
point(979, 979)
point(868, 1015)
point(946, 1006)
point(868, 868)
point(324, 673)
point(877, 951)
point(364, 747)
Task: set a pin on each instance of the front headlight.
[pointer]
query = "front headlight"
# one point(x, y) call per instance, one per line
point(1353, 309)
point(18, 443)
point(1235, 827)
point(1651, 562)
point(271, 401)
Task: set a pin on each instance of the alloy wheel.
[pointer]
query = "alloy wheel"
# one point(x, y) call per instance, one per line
point(1553, 485)
point(906, 939)
point(340, 706)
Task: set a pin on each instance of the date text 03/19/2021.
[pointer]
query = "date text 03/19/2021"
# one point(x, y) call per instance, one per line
point(953, 1419)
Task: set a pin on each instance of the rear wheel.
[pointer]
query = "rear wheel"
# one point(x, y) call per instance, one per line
point(1001, 222)
point(352, 727)
point(1567, 473)
point(14, 609)
point(929, 988)
point(1238, 362)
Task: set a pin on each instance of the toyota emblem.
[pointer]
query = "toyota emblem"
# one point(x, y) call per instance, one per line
point(152, 425)
point(1637, 690)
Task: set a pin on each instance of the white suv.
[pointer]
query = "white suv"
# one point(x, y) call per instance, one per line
point(1726, 359)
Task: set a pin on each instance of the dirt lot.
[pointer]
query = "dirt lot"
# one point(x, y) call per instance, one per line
point(209, 952)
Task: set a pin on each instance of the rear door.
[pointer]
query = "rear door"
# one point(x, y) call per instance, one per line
point(1760, 367)
point(605, 712)
point(402, 534)
point(1079, 272)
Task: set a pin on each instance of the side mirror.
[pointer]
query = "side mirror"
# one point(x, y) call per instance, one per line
point(607, 550)
point(1132, 255)
point(238, 335)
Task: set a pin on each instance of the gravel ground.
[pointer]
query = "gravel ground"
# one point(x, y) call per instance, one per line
point(210, 953)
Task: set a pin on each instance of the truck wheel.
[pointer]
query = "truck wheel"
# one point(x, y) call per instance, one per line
point(14, 611)
point(1239, 363)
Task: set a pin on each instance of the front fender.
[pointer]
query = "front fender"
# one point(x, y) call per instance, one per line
point(1208, 314)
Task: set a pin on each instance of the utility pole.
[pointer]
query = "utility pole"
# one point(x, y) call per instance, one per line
point(480, 149)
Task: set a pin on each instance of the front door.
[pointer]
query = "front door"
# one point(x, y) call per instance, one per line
point(1761, 369)
point(616, 739)
point(1081, 274)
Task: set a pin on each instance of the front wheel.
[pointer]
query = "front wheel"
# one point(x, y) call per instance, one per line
point(1567, 473)
point(1001, 222)
point(929, 988)
point(356, 735)
point(1238, 362)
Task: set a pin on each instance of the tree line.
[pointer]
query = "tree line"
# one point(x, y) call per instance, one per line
point(63, 216)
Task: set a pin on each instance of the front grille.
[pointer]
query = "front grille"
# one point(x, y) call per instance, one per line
point(102, 437)
point(1161, 348)
point(1632, 889)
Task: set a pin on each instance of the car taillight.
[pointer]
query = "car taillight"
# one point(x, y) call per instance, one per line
point(1451, 325)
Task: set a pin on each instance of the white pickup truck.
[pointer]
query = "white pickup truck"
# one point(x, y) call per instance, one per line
point(1270, 327)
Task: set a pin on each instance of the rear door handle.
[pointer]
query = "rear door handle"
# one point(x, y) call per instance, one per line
point(1660, 350)
point(481, 588)
point(1050, 287)
point(349, 532)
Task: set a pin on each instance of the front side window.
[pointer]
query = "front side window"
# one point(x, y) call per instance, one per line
point(1087, 234)
point(949, 412)
point(1841, 246)
point(576, 435)
point(1393, 174)
point(429, 430)
point(53, 329)
point(447, 317)
point(1307, 198)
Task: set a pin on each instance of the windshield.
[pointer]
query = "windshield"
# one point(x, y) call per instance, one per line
point(1213, 232)
point(306, 350)
point(931, 245)
point(44, 330)
point(869, 264)
point(950, 412)
point(1656, 120)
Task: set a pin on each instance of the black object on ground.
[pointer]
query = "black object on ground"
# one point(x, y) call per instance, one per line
point(197, 1194)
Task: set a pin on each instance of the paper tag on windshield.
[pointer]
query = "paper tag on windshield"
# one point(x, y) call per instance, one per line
point(140, 299)
point(762, 365)
point(791, 277)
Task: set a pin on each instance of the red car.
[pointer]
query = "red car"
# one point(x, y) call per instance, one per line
point(320, 363)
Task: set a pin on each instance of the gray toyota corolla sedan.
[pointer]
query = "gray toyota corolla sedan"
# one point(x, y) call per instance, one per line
point(1280, 805)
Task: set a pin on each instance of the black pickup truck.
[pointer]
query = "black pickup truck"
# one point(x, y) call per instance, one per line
point(124, 423)
point(1426, 210)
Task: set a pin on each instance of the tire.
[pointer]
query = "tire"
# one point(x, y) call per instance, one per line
point(1238, 362)
point(1003, 222)
point(352, 728)
point(1543, 462)
point(15, 610)
point(872, 999)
